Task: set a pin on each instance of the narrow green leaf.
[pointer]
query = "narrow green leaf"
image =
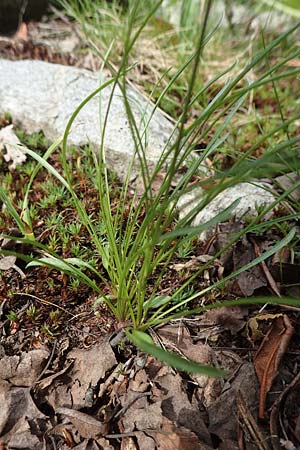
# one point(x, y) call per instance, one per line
point(192, 231)
point(55, 263)
point(12, 211)
point(157, 301)
point(146, 344)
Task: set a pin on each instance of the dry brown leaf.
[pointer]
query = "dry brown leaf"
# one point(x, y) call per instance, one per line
point(88, 368)
point(7, 262)
point(104, 444)
point(249, 280)
point(268, 356)
point(9, 141)
point(178, 338)
point(24, 369)
point(140, 382)
point(22, 424)
point(172, 437)
point(145, 442)
point(128, 444)
point(231, 318)
point(176, 405)
point(46, 382)
point(223, 421)
point(141, 415)
point(87, 426)
point(252, 328)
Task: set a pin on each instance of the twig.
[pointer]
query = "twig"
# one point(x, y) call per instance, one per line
point(250, 423)
point(50, 359)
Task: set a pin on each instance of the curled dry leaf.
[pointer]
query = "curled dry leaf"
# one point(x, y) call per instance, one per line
point(268, 356)
point(252, 328)
point(9, 141)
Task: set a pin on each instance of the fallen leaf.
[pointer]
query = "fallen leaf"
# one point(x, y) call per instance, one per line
point(145, 442)
point(141, 415)
point(268, 357)
point(104, 444)
point(22, 425)
point(9, 141)
point(172, 437)
point(248, 281)
point(46, 382)
point(87, 426)
point(128, 444)
point(24, 369)
point(88, 368)
point(140, 382)
point(89, 444)
point(7, 262)
point(178, 338)
point(252, 328)
point(232, 318)
point(176, 405)
point(222, 414)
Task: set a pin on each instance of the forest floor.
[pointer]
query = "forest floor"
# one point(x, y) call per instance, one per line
point(66, 382)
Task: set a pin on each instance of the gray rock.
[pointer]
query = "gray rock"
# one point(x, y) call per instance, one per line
point(286, 182)
point(42, 96)
point(252, 196)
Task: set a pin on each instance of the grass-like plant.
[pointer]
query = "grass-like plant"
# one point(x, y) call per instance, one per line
point(141, 235)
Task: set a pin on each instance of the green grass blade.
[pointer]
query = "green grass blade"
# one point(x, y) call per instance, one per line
point(193, 231)
point(12, 211)
point(145, 343)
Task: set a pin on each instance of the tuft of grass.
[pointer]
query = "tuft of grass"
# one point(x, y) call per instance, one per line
point(139, 235)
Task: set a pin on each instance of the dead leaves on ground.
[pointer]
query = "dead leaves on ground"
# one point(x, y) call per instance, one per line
point(142, 405)
point(269, 355)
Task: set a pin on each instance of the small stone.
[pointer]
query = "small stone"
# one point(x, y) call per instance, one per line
point(43, 96)
point(252, 198)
